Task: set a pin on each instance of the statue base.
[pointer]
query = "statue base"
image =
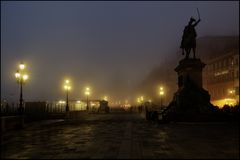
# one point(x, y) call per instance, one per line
point(191, 102)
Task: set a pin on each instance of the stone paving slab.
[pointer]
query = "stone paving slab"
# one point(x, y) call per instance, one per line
point(121, 136)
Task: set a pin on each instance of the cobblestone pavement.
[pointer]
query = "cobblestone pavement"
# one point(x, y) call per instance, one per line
point(121, 136)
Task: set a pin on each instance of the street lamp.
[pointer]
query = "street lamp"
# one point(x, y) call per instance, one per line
point(161, 94)
point(21, 77)
point(67, 87)
point(231, 91)
point(87, 93)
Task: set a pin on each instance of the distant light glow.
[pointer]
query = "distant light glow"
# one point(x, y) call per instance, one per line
point(67, 85)
point(61, 102)
point(221, 73)
point(225, 101)
point(161, 91)
point(21, 66)
point(25, 77)
point(17, 75)
point(20, 75)
point(231, 91)
point(87, 91)
point(105, 98)
point(138, 100)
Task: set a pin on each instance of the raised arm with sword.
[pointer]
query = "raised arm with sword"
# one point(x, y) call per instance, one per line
point(189, 37)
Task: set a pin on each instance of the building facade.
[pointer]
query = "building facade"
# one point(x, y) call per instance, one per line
point(221, 79)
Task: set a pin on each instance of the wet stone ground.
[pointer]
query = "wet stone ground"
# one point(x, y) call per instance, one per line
point(121, 135)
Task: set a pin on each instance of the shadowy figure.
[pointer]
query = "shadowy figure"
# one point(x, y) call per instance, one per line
point(189, 38)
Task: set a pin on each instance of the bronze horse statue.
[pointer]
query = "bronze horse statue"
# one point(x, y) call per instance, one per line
point(189, 38)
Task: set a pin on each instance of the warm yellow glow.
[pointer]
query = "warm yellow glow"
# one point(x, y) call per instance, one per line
point(20, 74)
point(141, 98)
point(25, 77)
point(161, 91)
point(21, 66)
point(105, 98)
point(17, 75)
point(92, 104)
point(78, 101)
point(227, 101)
point(231, 91)
point(67, 85)
point(150, 100)
point(87, 92)
point(61, 102)
point(138, 100)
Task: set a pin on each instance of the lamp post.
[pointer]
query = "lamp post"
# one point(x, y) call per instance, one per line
point(161, 95)
point(67, 87)
point(87, 93)
point(21, 77)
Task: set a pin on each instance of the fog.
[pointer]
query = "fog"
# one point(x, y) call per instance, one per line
point(109, 46)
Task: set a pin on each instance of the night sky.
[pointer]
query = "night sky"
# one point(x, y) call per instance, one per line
point(109, 46)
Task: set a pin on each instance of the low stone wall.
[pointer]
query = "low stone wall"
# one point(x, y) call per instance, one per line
point(45, 116)
point(12, 122)
point(77, 115)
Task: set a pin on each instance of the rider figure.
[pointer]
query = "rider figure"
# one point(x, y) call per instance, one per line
point(189, 38)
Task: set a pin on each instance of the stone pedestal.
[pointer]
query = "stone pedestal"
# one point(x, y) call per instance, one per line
point(190, 70)
point(191, 100)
